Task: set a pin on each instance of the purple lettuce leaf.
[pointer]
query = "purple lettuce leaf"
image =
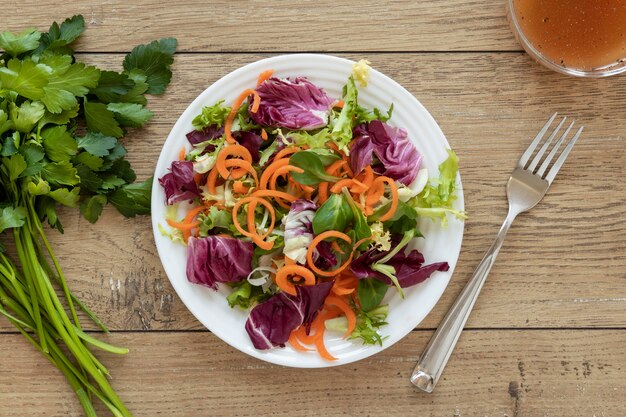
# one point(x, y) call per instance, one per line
point(292, 104)
point(210, 132)
point(410, 268)
point(398, 156)
point(270, 323)
point(178, 184)
point(251, 141)
point(214, 259)
point(361, 150)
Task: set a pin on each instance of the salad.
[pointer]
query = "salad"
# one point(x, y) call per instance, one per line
point(305, 206)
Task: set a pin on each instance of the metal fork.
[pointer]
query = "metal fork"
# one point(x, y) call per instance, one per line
point(526, 187)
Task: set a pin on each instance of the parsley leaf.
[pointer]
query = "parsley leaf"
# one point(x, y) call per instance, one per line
point(112, 86)
point(92, 207)
point(100, 119)
point(130, 114)
point(60, 173)
point(24, 41)
point(96, 144)
point(154, 59)
point(12, 217)
point(58, 143)
point(26, 77)
point(132, 199)
point(59, 37)
point(66, 197)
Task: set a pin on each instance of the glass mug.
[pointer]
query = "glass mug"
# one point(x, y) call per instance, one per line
point(585, 38)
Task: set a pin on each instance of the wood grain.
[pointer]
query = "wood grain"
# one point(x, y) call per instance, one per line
point(563, 264)
point(292, 25)
point(565, 373)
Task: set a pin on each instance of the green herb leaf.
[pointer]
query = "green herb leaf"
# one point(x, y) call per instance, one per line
point(89, 180)
point(26, 116)
point(15, 45)
point(58, 37)
point(130, 114)
point(113, 86)
point(334, 214)
point(33, 155)
point(211, 115)
point(5, 123)
point(154, 59)
point(66, 197)
point(368, 324)
point(40, 188)
point(214, 219)
point(371, 292)
point(12, 217)
point(92, 162)
point(136, 94)
point(313, 167)
point(14, 165)
point(26, 78)
point(92, 207)
point(97, 144)
point(100, 119)
point(132, 199)
point(58, 143)
point(63, 87)
point(60, 173)
point(61, 118)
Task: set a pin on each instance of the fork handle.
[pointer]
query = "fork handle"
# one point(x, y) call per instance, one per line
point(434, 358)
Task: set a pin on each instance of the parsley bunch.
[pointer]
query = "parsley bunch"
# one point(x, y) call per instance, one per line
point(60, 125)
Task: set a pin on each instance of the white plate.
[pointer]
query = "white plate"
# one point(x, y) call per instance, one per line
point(330, 73)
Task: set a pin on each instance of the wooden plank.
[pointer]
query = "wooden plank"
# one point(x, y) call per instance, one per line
point(492, 373)
point(563, 265)
point(202, 26)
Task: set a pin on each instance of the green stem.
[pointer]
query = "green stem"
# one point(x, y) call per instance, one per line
point(100, 344)
point(67, 332)
point(63, 282)
point(31, 285)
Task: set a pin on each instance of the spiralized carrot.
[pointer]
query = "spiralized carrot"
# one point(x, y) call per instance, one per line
point(293, 341)
point(280, 172)
point(211, 181)
point(286, 151)
point(244, 166)
point(264, 76)
point(347, 311)
point(181, 153)
point(275, 194)
point(358, 187)
point(264, 134)
point(293, 270)
point(240, 188)
point(394, 196)
point(316, 241)
point(228, 124)
point(338, 104)
point(235, 150)
point(366, 176)
point(269, 171)
point(347, 182)
point(248, 233)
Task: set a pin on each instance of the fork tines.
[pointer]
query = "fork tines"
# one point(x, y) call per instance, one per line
point(532, 166)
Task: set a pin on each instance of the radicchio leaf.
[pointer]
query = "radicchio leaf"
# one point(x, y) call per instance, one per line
point(215, 259)
point(410, 268)
point(271, 322)
point(251, 141)
point(292, 103)
point(178, 184)
point(208, 133)
point(298, 229)
point(398, 156)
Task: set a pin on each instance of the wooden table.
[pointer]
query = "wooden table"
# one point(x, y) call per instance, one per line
point(547, 336)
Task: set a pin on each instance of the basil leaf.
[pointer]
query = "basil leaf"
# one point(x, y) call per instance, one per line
point(313, 167)
point(334, 214)
point(371, 293)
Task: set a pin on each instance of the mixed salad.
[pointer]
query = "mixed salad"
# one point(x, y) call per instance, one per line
point(304, 205)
